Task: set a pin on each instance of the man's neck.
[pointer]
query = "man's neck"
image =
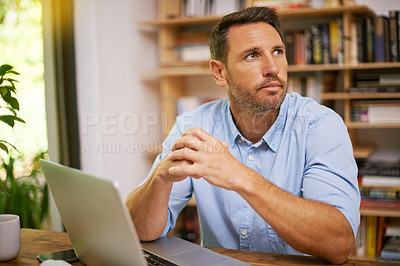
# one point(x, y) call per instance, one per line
point(253, 125)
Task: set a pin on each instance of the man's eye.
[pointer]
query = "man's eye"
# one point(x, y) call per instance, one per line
point(278, 52)
point(251, 56)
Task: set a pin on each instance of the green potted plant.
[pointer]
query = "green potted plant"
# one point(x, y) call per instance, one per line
point(21, 192)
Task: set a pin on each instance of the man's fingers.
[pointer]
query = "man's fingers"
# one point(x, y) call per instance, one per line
point(183, 154)
point(184, 170)
point(200, 134)
point(187, 141)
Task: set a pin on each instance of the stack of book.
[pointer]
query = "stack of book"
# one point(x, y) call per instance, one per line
point(282, 4)
point(391, 245)
point(199, 8)
point(379, 185)
point(377, 38)
point(375, 111)
point(320, 44)
point(192, 44)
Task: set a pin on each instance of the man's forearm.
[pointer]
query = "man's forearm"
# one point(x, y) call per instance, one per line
point(148, 206)
point(311, 227)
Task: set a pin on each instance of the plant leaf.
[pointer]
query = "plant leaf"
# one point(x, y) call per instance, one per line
point(4, 68)
point(3, 91)
point(16, 118)
point(8, 119)
point(9, 144)
point(14, 103)
point(4, 147)
point(13, 72)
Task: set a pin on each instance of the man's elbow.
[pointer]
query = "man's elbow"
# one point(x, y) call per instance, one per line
point(341, 251)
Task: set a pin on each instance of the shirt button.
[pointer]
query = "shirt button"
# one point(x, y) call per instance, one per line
point(244, 232)
point(251, 157)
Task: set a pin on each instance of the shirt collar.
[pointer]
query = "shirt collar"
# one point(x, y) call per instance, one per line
point(232, 129)
point(274, 134)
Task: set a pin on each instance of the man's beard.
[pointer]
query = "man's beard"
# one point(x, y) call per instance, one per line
point(248, 99)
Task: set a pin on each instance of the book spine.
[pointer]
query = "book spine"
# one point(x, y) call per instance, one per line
point(324, 28)
point(334, 41)
point(393, 36)
point(316, 40)
point(340, 41)
point(371, 224)
point(361, 238)
point(379, 39)
point(361, 43)
point(377, 170)
point(308, 46)
point(380, 193)
point(369, 35)
point(289, 43)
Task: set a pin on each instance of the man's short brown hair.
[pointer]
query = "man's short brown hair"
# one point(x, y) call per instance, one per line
point(218, 39)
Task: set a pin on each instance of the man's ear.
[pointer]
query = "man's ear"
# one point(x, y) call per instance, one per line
point(218, 72)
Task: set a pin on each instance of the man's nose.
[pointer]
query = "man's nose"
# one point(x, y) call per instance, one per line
point(270, 67)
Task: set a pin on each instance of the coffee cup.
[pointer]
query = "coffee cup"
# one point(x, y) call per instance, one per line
point(10, 236)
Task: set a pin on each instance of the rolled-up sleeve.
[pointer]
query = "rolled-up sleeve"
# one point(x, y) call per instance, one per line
point(330, 173)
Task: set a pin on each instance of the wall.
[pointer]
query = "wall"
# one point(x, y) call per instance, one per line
point(118, 111)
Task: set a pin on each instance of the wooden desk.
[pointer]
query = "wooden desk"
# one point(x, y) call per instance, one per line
point(35, 242)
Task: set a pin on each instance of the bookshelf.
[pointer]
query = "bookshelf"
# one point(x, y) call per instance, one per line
point(173, 72)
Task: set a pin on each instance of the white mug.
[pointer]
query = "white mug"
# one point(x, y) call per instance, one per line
point(10, 236)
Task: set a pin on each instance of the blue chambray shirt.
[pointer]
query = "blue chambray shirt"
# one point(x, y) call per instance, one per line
point(306, 152)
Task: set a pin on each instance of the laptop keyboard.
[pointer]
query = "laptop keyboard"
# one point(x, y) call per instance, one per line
point(153, 259)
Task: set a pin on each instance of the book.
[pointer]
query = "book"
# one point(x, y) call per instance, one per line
point(393, 228)
point(334, 41)
point(361, 238)
point(381, 38)
point(380, 204)
point(308, 46)
point(289, 43)
point(391, 249)
point(387, 181)
point(193, 52)
point(380, 192)
point(282, 4)
point(316, 44)
point(325, 41)
point(379, 169)
point(375, 111)
point(371, 230)
point(340, 59)
point(374, 89)
point(369, 34)
point(394, 35)
point(361, 40)
point(223, 7)
point(299, 48)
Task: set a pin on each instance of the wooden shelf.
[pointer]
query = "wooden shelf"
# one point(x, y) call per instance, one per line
point(177, 72)
point(355, 125)
point(363, 152)
point(307, 12)
point(380, 212)
point(181, 69)
point(358, 95)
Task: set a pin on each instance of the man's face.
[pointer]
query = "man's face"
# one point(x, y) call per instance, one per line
point(256, 68)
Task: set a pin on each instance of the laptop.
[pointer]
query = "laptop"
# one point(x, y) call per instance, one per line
point(101, 229)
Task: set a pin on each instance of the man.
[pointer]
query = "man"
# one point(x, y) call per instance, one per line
point(271, 172)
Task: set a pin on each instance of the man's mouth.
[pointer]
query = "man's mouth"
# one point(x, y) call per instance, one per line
point(272, 86)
